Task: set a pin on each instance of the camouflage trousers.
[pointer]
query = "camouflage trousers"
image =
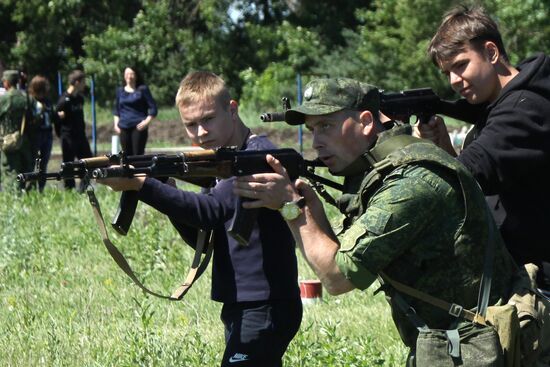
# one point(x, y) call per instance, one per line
point(11, 164)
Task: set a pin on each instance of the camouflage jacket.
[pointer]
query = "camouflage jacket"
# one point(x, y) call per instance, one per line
point(408, 218)
point(13, 105)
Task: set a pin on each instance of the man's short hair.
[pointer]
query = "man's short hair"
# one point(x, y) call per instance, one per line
point(201, 85)
point(462, 27)
point(11, 76)
point(76, 76)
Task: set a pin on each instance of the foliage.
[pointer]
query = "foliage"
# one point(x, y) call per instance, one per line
point(259, 90)
point(298, 51)
point(46, 36)
point(391, 42)
point(524, 26)
point(148, 45)
point(258, 46)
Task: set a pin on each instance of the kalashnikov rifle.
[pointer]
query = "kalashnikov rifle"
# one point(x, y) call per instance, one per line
point(198, 167)
point(422, 103)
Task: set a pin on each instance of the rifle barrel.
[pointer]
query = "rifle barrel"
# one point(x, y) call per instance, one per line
point(36, 176)
point(272, 116)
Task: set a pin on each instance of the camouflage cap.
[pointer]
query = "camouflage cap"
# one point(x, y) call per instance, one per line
point(324, 96)
point(12, 76)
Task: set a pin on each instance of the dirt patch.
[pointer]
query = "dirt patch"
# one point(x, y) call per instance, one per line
point(167, 132)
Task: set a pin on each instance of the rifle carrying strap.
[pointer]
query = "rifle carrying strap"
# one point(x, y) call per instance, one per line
point(204, 239)
point(197, 266)
point(453, 309)
point(23, 121)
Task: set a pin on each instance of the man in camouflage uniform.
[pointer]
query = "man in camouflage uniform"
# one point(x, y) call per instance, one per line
point(13, 106)
point(410, 210)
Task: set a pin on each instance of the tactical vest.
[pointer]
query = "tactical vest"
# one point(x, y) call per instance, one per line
point(532, 308)
point(403, 150)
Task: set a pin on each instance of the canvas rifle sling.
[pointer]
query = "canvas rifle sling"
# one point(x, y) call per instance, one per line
point(451, 308)
point(204, 239)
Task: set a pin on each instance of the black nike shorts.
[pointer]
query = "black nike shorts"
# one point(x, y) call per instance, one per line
point(258, 333)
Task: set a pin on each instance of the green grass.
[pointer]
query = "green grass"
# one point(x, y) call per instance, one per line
point(64, 301)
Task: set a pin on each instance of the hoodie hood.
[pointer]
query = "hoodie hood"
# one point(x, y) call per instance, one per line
point(534, 76)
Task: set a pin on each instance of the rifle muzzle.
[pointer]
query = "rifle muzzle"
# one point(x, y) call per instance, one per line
point(272, 116)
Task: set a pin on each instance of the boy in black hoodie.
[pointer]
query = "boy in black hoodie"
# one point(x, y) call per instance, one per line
point(508, 149)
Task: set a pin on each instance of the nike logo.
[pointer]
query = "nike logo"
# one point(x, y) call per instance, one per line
point(238, 357)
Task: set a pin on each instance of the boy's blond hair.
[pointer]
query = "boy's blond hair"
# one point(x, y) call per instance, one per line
point(200, 85)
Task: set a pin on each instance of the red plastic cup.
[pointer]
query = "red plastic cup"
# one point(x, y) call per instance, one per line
point(311, 291)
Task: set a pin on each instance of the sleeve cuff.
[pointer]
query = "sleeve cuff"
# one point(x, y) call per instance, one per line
point(146, 194)
point(356, 274)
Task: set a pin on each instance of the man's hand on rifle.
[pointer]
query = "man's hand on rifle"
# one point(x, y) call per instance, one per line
point(272, 190)
point(436, 131)
point(269, 190)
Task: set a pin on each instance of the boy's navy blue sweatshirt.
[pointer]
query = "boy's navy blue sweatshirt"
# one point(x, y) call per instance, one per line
point(264, 270)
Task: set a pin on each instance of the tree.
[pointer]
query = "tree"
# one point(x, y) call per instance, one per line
point(257, 46)
point(338, 16)
point(524, 26)
point(44, 37)
point(149, 44)
point(394, 40)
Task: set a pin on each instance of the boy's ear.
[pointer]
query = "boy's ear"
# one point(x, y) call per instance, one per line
point(491, 51)
point(233, 107)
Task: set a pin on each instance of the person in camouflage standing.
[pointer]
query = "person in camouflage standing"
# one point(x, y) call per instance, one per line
point(13, 106)
point(410, 210)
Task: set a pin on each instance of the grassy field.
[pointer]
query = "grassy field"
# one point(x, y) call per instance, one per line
point(64, 301)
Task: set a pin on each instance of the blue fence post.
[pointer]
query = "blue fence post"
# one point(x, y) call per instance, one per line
point(59, 84)
point(300, 127)
point(94, 126)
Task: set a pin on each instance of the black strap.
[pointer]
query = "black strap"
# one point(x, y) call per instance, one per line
point(486, 278)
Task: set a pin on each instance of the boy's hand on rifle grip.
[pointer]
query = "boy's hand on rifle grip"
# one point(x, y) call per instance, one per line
point(122, 183)
point(269, 190)
point(436, 131)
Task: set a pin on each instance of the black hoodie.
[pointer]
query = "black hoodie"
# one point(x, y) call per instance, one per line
point(510, 156)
